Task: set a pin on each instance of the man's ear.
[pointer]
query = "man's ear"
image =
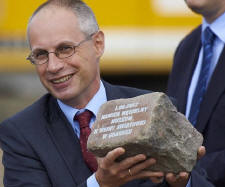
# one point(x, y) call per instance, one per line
point(99, 43)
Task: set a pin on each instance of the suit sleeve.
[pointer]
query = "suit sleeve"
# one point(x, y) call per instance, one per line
point(214, 163)
point(199, 178)
point(22, 165)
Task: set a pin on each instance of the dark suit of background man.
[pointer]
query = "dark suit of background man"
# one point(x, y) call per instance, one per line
point(41, 144)
point(183, 80)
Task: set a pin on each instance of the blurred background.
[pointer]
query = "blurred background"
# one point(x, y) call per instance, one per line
point(141, 37)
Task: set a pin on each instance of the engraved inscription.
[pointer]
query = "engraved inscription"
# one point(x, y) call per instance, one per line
point(121, 121)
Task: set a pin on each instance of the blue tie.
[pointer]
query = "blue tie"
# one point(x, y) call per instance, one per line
point(207, 42)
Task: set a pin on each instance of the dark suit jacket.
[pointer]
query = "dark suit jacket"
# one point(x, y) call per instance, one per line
point(41, 148)
point(211, 119)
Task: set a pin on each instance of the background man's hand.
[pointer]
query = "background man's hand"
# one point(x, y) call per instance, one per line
point(114, 174)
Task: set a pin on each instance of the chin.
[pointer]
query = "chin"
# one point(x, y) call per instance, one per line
point(193, 5)
point(61, 94)
point(63, 97)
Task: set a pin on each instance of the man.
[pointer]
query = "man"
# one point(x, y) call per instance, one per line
point(196, 81)
point(44, 145)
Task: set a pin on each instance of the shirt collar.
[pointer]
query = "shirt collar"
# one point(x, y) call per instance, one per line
point(93, 105)
point(99, 99)
point(217, 27)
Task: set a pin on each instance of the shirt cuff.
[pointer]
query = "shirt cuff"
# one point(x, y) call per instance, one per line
point(189, 183)
point(92, 182)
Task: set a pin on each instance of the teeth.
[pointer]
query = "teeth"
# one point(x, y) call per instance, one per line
point(63, 79)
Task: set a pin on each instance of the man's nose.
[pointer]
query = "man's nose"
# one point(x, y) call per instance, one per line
point(54, 63)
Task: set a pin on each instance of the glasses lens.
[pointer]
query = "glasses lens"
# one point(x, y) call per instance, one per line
point(65, 51)
point(39, 57)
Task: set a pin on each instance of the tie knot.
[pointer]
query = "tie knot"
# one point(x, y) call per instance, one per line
point(208, 36)
point(84, 118)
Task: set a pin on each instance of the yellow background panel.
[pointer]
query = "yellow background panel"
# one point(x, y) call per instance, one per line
point(16, 15)
point(123, 16)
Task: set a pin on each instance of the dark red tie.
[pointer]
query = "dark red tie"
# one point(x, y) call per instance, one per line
point(84, 120)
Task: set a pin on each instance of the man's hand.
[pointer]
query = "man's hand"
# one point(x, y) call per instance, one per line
point(114, 174)
point(182, 178)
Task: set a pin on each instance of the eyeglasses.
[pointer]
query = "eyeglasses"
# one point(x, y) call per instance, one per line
point(63, 51)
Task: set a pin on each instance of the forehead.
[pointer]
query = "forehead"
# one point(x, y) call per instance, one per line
point(53, 25)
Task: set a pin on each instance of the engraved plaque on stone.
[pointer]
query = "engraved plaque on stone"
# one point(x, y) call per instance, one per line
point(148, 124)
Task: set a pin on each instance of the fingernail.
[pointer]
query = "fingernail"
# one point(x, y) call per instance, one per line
point(153, 161)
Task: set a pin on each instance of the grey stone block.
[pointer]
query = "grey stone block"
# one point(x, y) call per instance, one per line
point(148, 124)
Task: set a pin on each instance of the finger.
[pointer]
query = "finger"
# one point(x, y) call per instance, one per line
point(143, 165)
point(156, 176)
point(129, 162)
point(170, 177)
point(183, 175)
point(201, 152)
point(112, 156)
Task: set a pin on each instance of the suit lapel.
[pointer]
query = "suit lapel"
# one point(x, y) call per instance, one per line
point(189, 58)
point(213, 93)
point(67, 143)
point(111, 91)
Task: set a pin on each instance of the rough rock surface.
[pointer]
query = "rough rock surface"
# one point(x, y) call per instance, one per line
point(148, 124)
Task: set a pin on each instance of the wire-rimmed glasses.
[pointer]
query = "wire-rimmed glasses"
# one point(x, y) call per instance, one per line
point(39, 56)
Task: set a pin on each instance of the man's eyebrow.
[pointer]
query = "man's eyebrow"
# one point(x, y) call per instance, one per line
point(65, 43)
point(38, 49)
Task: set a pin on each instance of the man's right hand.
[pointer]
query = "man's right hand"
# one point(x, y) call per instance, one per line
point(111, 173)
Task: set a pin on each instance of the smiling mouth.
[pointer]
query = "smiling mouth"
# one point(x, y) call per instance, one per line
point(63, 79)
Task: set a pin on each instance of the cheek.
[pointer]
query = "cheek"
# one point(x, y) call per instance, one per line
point(85, 61)
point(41, 72)
point(87, 54)
point(82, 57)
point(82, 61)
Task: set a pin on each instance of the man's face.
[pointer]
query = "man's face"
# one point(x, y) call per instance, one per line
point(210, 9)
point(73, 80)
